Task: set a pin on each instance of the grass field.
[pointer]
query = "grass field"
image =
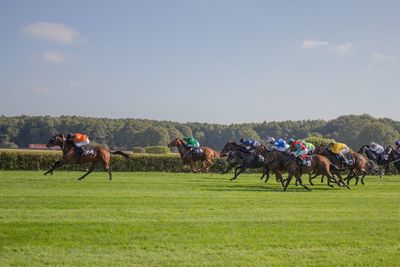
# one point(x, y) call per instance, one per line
point(161, 219)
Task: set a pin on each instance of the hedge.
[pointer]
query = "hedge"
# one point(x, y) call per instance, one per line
point(157, 150)
point(43, 160)
point(138, 150)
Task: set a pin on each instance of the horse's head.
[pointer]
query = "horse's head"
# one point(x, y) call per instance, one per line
point(176, 142)
point(57, 140)
point(363, 149)
point(320, 149)
point(228, 147)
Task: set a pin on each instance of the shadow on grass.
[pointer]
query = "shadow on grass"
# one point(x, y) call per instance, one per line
point(264, 188)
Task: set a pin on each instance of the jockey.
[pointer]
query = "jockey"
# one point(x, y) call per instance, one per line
point(377, 150)
point(193, 145)
point(249, 143)
point(310, 147)
point(281, 145)
point(79, 140)
point(297, 149)
point(397, 144)
point(340, 150)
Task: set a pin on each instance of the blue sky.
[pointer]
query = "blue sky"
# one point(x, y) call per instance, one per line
point(207, 61)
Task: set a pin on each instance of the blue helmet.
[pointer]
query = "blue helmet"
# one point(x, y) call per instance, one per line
point(397, 143)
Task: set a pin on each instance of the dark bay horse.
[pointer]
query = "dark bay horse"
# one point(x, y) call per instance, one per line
point(376, 166)
point(70, 156)
point(359, 166)
point(206, 157)
point(241, 158)
point(394, 157)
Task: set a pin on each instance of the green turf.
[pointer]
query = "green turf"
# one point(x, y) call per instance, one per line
point(168, 219)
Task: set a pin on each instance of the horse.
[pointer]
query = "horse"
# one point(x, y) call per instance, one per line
point(357, 168)
point(245, 161)
point(70, 156)
point(279, 162)
point(206, 157)
point(394, 157)
point(242, 158)
point(379, 166)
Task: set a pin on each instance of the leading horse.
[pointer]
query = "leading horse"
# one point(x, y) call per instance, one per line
point(206, 157)
point(70, 156)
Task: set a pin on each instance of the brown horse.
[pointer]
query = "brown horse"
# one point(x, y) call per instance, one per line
point(359, 166)
point(70, 156)
point(279, 162)
point(206, 157)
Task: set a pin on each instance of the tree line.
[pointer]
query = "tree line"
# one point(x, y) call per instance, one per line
point(354, 130)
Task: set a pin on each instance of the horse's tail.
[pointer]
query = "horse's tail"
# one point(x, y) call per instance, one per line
point(119, 152)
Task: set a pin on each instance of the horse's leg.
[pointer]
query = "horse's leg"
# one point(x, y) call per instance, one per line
point(91, 169)
point(279, 178)
point(298, 178)
point(322, 179)
point(228, 168)
point(108, 169)
point(312, 177)
point(56, 164)
point(267, 174)
point(288, 181)
point(349, 177)
point(205, 165)
point(235, 175)
point(362, 178)
point(192, 167)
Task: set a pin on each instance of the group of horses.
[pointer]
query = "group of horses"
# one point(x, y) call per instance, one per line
point(322, 162)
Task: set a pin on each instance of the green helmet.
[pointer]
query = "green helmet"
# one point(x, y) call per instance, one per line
point(290, 141)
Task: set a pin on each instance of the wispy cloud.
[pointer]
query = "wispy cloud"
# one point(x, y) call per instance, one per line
point(341, 48)
point(378, 56)
point(42, 90)
point(310, 44)
point(54, 57)
point(76, 84)
point(56, 32)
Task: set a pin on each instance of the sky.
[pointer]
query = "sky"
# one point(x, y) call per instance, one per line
point(211, 61)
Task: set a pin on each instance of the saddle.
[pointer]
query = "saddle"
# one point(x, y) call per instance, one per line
point(258, 159)
point(304, 160)
point(86, 150)
point(347, 159)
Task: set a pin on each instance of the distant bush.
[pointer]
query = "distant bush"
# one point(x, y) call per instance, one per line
point(138, 150)
point(8, 145)
point(318, 140)
point(157, 150)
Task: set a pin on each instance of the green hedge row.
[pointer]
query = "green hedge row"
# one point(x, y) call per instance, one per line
point(43, 160)
point(157, 150)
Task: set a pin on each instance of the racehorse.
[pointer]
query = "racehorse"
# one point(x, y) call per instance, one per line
point(278, 162)
point(70, 156)
point(188, 158)
point(357, 168)
point(242, 158)
point(380, 166)
point(394, 157)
